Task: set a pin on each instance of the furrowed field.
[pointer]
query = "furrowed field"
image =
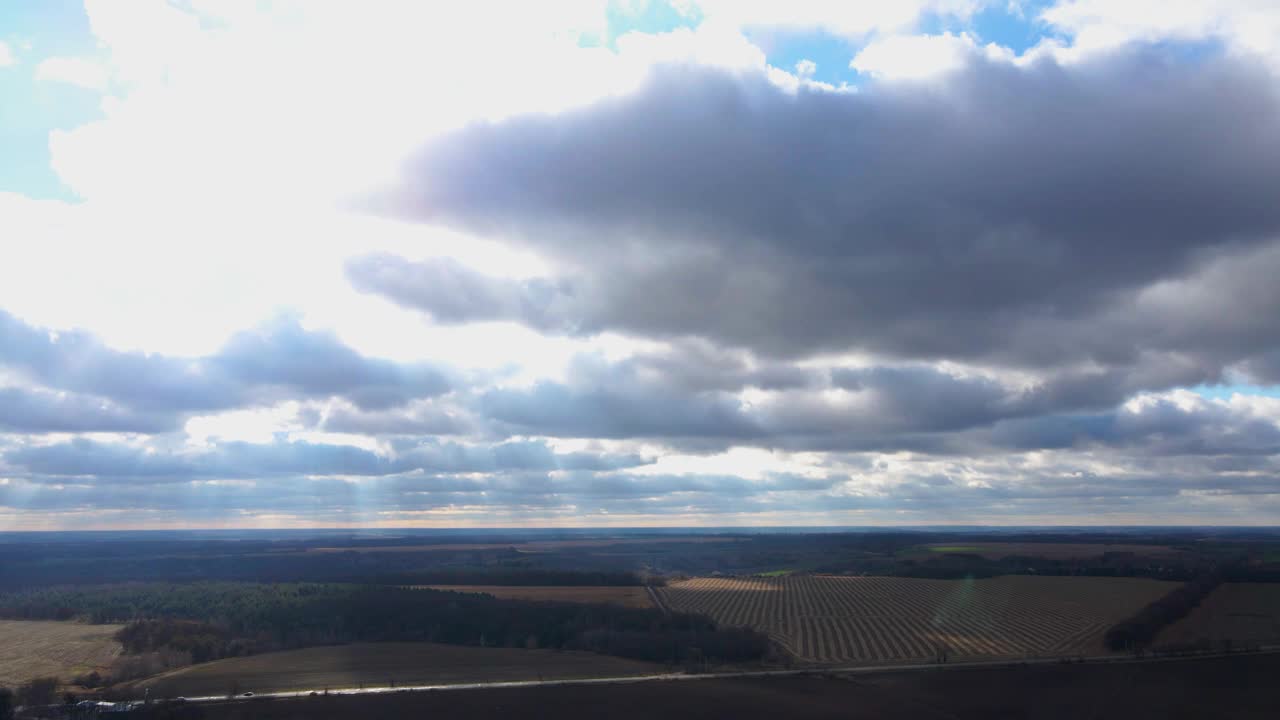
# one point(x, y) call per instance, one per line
point(39, 648)
point(837, 619)
point(1240, 613)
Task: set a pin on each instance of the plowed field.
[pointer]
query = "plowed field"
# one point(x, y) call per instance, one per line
point(835, 619)
point(1243, 613)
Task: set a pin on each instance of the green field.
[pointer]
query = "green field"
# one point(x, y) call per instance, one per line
point(384, 664)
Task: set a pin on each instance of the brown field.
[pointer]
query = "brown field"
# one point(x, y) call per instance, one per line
point(625, 595)
point(531, 546)
point(1239, 687)
point(836, 619)
point(39, 648)
point(1244, 613)
point(1052, 551)
point(382, 664)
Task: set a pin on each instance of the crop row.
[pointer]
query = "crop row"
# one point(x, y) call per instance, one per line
point(869, 619)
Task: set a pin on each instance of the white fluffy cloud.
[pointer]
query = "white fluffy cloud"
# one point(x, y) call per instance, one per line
point(231, 141)
point(73, 71)
point(6, 55)
point(1248, 25)
point(235, 103)
point(844, 18)
point(920, 56)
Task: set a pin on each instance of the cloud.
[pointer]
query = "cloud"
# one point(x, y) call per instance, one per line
point(114, 462)
point(278, 361)
point(24, 410)
point(1150, 426)
point(965, 289)
point(423, 417)
point(709, 402)
point(316, 364)
point(79, 72)
point(1252, 26)
point(1014, 216)
point(920, 56)
point(853, 19)
point(615, 411)
point(1005, 490)
point(456, 294)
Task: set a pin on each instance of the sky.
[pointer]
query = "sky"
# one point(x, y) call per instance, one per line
point(638, 263)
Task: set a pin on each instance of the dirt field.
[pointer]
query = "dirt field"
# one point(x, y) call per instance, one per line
point(628, 596)
point(833, 619)
point(1239, 688)
point(37, 648)
point(1052, 551)
point(531, 546)
point(346, 666)
point(1243, 613)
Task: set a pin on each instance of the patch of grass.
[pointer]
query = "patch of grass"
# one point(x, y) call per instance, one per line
point(775, 573)
point(43, 648)
point(955, 548)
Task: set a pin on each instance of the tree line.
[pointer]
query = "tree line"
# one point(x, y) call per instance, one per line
point(1139, 631)
point(500, 575)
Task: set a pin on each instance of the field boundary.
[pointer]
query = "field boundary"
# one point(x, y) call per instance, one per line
point(656, 599)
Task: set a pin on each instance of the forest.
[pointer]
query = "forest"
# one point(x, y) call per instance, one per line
point(214, 620)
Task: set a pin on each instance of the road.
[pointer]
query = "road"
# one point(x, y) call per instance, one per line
point(738, 674)
point(656, 599)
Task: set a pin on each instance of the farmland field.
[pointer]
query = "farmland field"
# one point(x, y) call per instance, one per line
point(625, 595)
point(1243, 613)
point(1051, 551)
point(382, 664)
point(38, 648)
point(1240, 687)
point(821, 618)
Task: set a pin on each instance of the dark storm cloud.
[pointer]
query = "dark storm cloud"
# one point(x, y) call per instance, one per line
point(86, 458)
point(1005, 214)
point(149, 392)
